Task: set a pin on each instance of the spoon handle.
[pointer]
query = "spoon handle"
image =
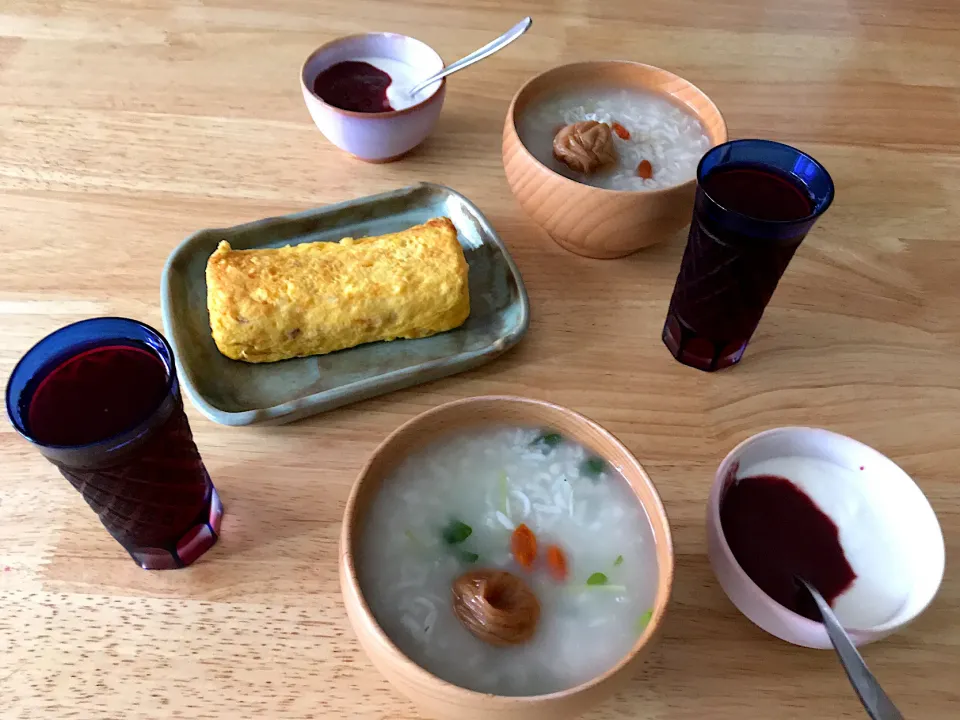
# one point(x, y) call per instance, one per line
point(486, 51)
point(874, 699)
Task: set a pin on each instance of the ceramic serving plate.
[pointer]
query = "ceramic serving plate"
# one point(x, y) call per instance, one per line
point(237, 393)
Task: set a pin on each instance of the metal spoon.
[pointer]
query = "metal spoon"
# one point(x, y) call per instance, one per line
point(486, 51)
point(874, 699)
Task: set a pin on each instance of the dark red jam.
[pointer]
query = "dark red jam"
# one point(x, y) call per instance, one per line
point(354, 85)
point(777, 533)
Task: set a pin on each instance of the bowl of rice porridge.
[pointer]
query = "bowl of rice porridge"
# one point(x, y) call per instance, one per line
point(502, 557)
point(603, 155)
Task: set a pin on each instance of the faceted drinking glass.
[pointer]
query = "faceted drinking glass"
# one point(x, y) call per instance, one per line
point(100, 400)
point(756, 201)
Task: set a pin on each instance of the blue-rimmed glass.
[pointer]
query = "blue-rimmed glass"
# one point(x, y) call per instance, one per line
point(146, 482)
point(733, 261)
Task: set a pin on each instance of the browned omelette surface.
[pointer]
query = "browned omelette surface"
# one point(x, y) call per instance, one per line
point(315, 298)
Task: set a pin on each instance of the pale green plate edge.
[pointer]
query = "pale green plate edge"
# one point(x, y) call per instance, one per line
point(367, 387)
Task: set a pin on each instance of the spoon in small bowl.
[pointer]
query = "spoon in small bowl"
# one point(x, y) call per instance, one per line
point(486, 51)
point(874, 699)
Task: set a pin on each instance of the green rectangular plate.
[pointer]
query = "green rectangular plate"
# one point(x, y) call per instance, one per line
point(237, 393)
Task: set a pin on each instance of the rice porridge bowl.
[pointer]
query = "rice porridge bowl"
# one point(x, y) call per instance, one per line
point(508, 560)
point(653, 143)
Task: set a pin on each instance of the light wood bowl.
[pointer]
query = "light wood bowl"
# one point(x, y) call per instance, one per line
point(437, 698)
point(591, 221)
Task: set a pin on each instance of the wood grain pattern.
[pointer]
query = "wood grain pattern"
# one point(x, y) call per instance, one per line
point(126, 126)
point(590, 221)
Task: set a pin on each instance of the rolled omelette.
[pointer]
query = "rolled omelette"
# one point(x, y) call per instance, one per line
point(315, 298)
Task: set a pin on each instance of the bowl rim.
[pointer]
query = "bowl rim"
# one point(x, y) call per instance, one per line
point(432, 97)
point(348, 566)
point(512, 120)
point(804, 624)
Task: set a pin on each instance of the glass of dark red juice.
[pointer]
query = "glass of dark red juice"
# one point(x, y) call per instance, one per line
point(100, 399)
point(756, 201)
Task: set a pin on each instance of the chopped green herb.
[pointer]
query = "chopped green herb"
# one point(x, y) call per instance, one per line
point(598, 578)
point(644, 620)
point(504, 491)
point(413, 539)
point(467, 556)
point(548, 440)
point(618, 561)
point(456, 532)
point(593, 466)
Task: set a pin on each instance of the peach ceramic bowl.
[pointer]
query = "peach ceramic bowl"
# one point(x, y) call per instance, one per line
point(383, 136)
point(437, 698)
point(592, 221)
point(913, 525)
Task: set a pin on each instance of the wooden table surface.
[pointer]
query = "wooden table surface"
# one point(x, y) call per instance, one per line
point(125, 126)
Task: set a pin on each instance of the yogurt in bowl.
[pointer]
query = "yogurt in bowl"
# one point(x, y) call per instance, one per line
point(808, 502)
point(370, 85)
point(355, 89)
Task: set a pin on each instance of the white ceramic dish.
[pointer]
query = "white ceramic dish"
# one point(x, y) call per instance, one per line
point(382, 136)
point(912, 527)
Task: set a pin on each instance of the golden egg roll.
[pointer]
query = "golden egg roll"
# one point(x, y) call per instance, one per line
point(314, 298)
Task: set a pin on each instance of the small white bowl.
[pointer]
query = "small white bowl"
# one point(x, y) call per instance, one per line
point(914, 529)
point(383, 136)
